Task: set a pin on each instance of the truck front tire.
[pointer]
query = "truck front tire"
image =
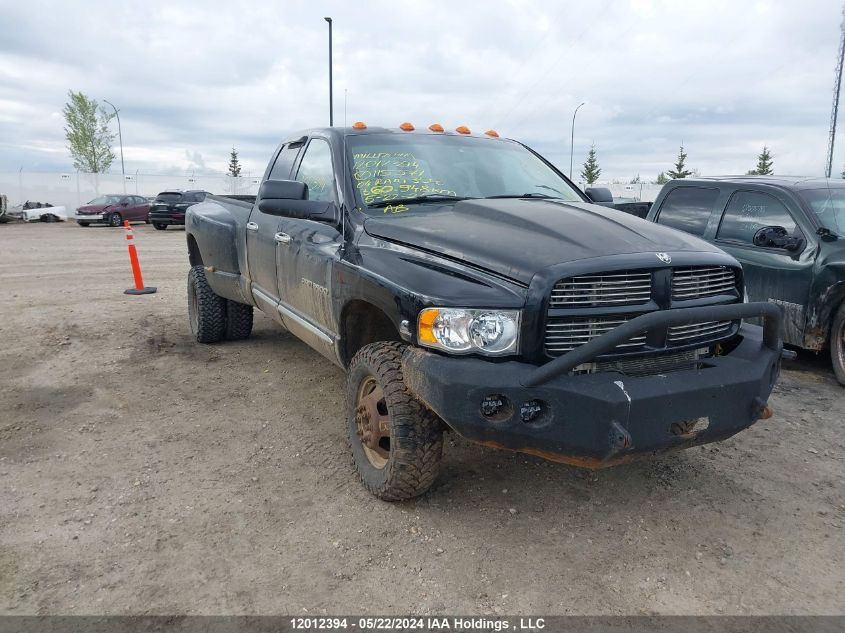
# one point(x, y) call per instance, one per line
point(837, 344)
point(396, 441)
point(238, 320)
point(206, 309)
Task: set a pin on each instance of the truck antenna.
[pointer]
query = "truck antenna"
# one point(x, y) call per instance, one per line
point(345, 161)
point(836, 87)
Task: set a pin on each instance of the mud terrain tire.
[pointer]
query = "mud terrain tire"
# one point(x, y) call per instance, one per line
point(206, 309)
point(405, 462)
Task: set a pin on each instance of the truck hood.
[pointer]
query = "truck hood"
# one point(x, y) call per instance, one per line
point(519, 237)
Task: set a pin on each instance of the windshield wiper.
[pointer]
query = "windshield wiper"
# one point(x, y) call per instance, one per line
point(520, 195)
point(427, 197)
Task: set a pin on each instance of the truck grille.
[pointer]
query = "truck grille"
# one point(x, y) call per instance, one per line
point(695, 282)
point(622, 288)
point(564, 335)
point(572, 320)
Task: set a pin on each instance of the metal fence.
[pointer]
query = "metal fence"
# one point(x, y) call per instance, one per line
point(73, 189)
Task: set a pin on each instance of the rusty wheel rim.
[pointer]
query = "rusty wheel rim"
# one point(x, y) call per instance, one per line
point(372, 422)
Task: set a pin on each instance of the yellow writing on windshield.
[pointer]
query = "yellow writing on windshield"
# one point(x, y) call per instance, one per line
point(384, 176)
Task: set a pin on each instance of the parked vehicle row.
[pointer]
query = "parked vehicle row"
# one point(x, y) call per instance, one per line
point(165, 209)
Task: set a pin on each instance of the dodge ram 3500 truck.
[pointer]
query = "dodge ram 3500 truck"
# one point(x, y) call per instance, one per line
point(464, 283)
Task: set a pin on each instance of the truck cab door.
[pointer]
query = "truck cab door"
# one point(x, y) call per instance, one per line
point(261, 244)
point(307, 251)
point(775, 274)
point(261, 257)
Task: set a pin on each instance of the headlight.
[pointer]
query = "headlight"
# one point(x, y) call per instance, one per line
point(464, 331)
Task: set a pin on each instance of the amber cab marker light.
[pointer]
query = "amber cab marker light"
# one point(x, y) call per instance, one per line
point(462, 129)
point(359, 125)
point(435, 127)
point(492, 133)
point(408, 127)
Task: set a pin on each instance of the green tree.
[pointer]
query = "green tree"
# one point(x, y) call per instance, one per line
point(88, 134)
point(661, 178)
point(234, 164)
point(764, 164)
point(680, 170)
point(591, 171)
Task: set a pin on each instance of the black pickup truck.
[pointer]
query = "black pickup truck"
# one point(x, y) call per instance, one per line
point(464, 283)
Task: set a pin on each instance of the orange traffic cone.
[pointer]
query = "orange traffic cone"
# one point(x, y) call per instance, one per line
point(139, 288)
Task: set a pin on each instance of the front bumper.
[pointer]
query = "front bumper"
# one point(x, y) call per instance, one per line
point(596, 420)
point(90, 218)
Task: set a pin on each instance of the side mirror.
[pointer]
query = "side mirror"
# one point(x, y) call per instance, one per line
point(288, 198)
point(282, 190)
point(599, 195)
point(124, 203)
point(777, 237)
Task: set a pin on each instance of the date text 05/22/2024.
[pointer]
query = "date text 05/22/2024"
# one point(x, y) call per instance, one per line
point(432, 623)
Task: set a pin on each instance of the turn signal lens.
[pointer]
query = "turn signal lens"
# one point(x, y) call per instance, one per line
point(426, 325)
point(407, 127)
point(462, 129)
point(359, 125)
point(435, 127)
point(492, 133)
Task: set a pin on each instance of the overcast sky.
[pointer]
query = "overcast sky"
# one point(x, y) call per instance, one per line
point(192, 79)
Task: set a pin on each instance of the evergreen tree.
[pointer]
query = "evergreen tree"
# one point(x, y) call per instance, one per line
point(87, 131)
point(764, 164)
point(591, 171)
point(661, 178)
point(680, 170)
point(234, 164)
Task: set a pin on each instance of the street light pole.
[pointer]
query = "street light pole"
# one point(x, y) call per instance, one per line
point(119, 136)
point(331, 96)
point(572, 140)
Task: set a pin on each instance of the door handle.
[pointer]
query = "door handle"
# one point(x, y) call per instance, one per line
point(282, 238)
point(251, 226)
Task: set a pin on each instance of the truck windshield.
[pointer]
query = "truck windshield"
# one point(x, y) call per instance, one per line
point(398, 173)
point(829, 206)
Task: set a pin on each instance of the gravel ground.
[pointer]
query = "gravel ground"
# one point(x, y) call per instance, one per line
point(142, 473)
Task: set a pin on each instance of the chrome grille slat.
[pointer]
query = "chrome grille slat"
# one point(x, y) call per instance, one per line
point(624, 288)
point(698, 330)
point(695, 282)
point(710, 280)
point(565, 336)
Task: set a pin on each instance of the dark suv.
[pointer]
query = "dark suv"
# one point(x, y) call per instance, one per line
point(787, 233)
point(169, 207)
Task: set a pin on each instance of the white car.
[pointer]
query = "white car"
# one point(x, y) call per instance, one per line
point(41, 214)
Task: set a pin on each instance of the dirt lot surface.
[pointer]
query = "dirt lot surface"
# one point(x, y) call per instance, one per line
point(141, 472)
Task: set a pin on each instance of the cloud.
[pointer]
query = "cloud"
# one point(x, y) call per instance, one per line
point(195, 78)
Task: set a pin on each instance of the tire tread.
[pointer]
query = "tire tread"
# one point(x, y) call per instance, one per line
point(211, 308)
point(417, 435)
